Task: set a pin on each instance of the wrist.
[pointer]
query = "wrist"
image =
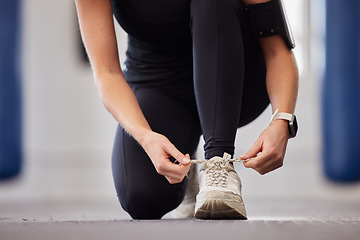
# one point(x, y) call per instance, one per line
point(283, 125)
point(289, 118)
point(141, 135)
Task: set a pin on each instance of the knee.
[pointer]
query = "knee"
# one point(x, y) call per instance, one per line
point(201, 7)
point(206, 15)
point(149, 205)
point(141, 207)
point(146, 212)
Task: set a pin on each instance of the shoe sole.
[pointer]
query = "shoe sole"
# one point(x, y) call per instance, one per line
point(220, 205)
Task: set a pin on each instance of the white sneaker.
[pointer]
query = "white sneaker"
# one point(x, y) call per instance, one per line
point(187, 207)
point(220, 191)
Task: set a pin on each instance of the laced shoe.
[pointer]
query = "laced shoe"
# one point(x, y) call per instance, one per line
point(187, 207)
point(220, 191)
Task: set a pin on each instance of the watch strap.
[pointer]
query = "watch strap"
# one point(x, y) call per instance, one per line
point(281, 115)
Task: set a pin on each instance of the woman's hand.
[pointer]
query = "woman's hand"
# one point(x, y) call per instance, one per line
point(159, 149)
point(271, 145)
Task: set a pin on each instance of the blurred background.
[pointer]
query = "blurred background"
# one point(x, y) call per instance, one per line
point(67, 134)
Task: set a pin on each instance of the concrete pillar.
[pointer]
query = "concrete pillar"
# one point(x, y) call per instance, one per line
point(10, 90)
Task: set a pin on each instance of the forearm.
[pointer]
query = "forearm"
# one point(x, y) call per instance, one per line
point(121, 102)
point(97, 29)
point(282, 87)
point(282, 74)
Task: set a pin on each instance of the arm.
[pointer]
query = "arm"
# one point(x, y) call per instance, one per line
point(282, 87)
point(97, 29)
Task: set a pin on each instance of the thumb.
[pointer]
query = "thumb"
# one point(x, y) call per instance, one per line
point(253, 151)
point(175, 153)
point(185, 160)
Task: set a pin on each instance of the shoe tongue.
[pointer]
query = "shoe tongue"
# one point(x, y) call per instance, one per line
point(211, 162)
point(216, 158)
point(226, 156)
point(222, 160)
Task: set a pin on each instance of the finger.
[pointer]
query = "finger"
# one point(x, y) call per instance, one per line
point(187, 159)
point(257, 161)
point(176, 178)
point(171, 174)
point(178, 172)
point(187, 156)
point(253, 151)
point(269, 163)
point(173, 180)
point(264, 163)
point(169, 169)
point(175, 153)
point(269, 167)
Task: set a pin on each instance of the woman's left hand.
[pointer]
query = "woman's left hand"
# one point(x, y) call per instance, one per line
point(268, 151)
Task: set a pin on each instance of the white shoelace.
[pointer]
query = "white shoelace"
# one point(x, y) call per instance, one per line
point(216, 173)
point(222, 160)
point(216, 178)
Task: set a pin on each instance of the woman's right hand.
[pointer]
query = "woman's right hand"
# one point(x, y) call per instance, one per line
point(159, 149)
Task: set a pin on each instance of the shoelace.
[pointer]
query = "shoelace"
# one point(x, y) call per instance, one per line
point(199, 161)
point(216, 174)
point(216, 178)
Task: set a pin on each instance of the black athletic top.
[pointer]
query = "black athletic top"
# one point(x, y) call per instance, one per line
point(159, 39)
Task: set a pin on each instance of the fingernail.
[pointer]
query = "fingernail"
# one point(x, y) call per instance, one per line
point(186, 160)
point(242, 156)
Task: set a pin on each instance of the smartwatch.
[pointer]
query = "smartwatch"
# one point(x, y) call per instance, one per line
point(291, 118)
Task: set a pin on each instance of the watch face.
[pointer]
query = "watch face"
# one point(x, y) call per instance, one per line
point(293, 126)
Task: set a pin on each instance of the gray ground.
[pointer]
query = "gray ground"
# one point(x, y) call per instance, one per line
point(305, 206)
point(267, 220)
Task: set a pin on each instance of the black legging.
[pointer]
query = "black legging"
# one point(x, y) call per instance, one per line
point(229, 89)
